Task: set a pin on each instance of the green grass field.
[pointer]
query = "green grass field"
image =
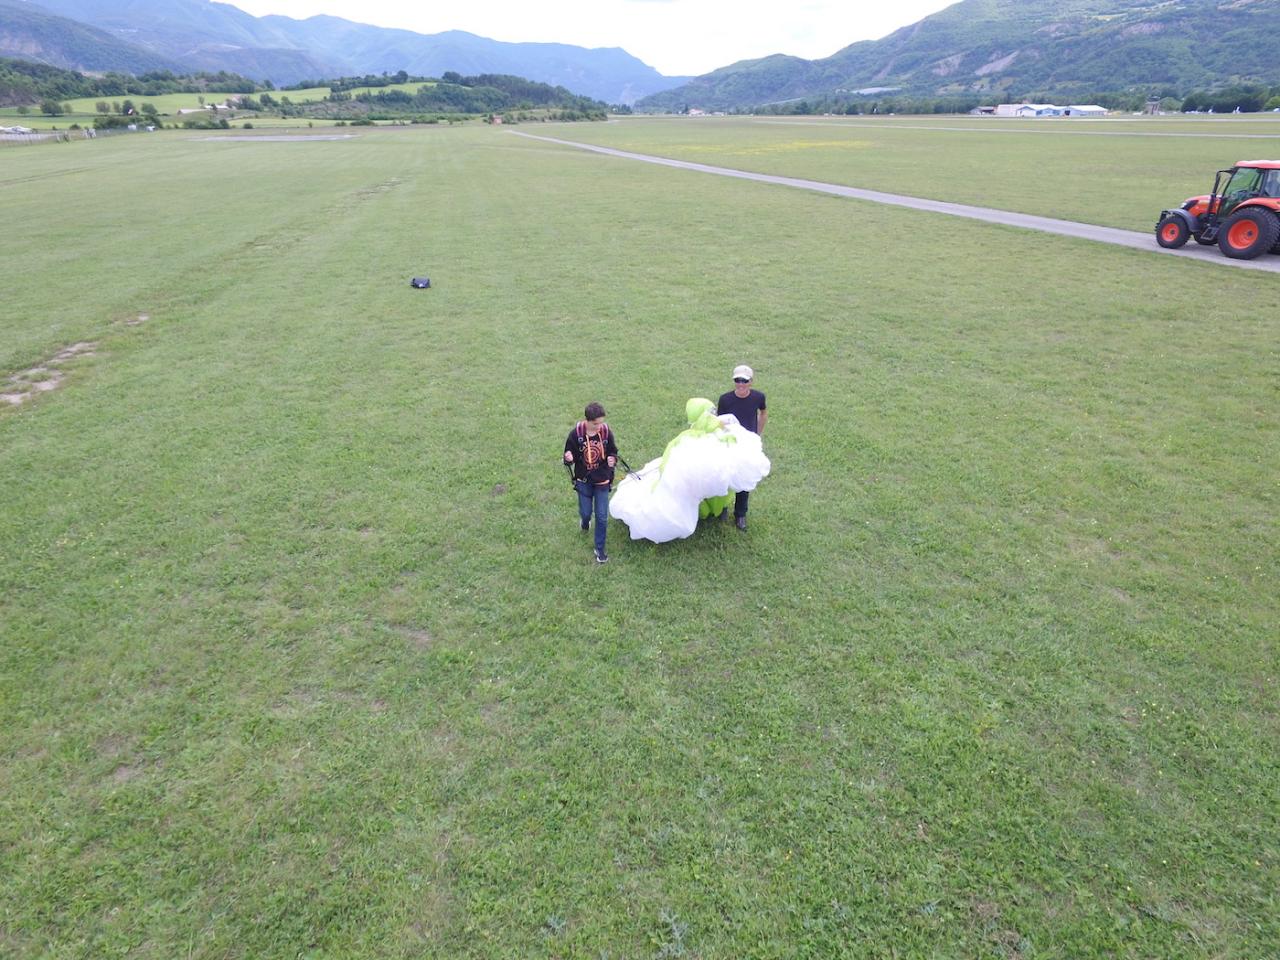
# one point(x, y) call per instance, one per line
point(302, 652)
point(1117, 172)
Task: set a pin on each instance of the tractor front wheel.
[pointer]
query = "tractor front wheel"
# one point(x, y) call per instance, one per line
point(1172, 233)
point(1249, 233)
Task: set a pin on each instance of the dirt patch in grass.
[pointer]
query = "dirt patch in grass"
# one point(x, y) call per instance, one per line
point(43, 377)
point(1009, 942)
point(126, 772)
point(420, 638)
point(436, 914)
point(113, 745)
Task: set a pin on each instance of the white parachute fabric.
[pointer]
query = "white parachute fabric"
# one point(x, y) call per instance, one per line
point(660, 503)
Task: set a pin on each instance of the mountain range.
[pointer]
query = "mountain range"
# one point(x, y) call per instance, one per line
point(1018, 48)
point(30, 33)
point(200, 35)
point(986, 49)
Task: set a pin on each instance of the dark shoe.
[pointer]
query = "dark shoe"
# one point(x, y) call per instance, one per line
point(740, 522)
point(724, 514)
point(601, 557)
point(586, 524)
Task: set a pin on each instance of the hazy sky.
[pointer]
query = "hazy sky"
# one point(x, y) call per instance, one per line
point(677, 37)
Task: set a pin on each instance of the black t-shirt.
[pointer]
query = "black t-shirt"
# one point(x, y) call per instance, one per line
point(746, 409)
point(589, 456)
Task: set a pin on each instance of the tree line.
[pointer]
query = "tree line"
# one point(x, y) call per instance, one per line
point(451, 93)
point(22, 82)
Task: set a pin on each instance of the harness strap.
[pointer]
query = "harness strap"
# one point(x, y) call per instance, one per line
point(581, 430)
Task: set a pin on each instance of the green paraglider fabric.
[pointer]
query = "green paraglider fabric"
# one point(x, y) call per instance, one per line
point(701, 414)
point(693, 468)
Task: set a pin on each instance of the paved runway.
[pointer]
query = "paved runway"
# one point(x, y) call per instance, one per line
point(1067, 228)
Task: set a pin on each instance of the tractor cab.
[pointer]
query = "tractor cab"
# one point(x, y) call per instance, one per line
point(1241, 215)
point(1243, 183)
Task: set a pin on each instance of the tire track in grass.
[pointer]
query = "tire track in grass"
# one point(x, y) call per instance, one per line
point(1144, 242)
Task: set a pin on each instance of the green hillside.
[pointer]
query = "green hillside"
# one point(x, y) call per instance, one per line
point(23, 83)
point(1008, 49)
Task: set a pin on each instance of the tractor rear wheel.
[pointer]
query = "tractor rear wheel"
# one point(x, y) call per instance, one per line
point(1172, 233)
point(1249, 233)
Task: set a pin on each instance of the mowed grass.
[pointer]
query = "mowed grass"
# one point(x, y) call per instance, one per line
point(1119, 172)
point(303, 654)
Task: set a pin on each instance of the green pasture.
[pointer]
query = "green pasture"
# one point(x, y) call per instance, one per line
point(319, 93)
point(302, 652)
point(171, 103)
point(84, 109)
point(1117, 172)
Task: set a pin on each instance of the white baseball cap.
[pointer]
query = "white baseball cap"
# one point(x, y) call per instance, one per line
point(743, 371)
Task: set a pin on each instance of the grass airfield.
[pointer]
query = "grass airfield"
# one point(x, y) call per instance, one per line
point(303, 653)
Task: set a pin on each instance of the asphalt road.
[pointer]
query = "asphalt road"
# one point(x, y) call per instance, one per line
point(1145, 242)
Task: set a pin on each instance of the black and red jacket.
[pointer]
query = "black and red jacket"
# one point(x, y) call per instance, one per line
point(590, 463)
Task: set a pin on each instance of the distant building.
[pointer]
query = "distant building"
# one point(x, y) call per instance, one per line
point(1029, 110)
point(1038, 110)
point(1088, 110)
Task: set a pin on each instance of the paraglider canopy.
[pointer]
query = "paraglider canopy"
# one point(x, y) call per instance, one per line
point(715, 456)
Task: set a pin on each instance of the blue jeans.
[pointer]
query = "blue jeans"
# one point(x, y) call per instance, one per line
point(589, 493)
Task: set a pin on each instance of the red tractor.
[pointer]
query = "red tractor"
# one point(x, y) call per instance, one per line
point(1242, 215)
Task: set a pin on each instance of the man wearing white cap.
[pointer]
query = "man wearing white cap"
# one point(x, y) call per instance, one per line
point(748, 406)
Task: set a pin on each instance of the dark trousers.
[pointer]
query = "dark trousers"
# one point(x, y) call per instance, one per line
point(740, 504)
point(589, 496)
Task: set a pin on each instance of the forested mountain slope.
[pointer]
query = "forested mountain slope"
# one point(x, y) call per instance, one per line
point(1016, 48)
